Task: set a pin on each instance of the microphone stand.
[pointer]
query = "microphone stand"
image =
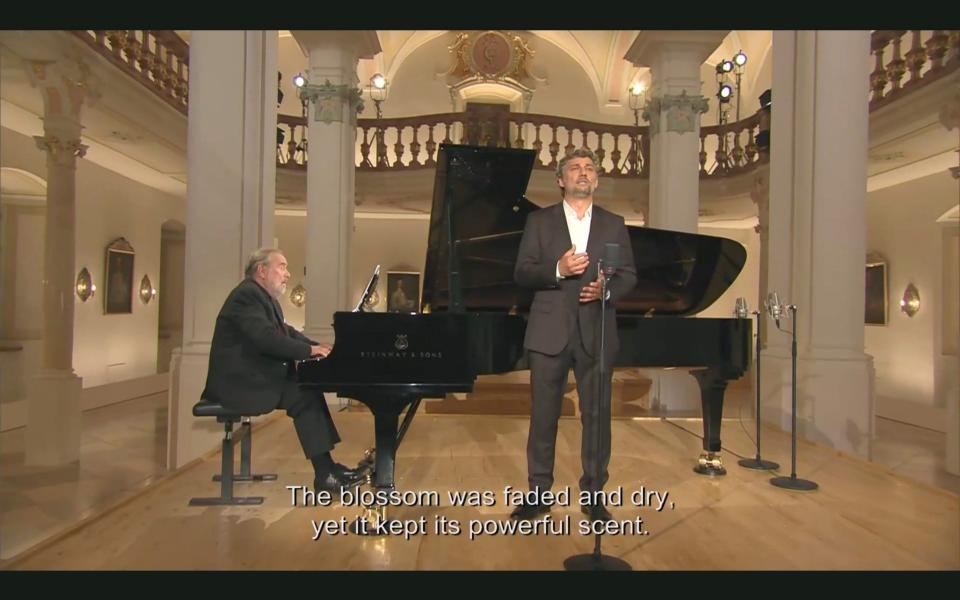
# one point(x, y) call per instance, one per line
point(596, 561)
point(792, 482)
point(758, 463)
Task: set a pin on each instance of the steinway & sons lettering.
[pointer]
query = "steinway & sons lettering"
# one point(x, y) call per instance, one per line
point(400, 354)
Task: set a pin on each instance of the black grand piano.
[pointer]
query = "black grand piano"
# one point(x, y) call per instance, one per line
point(473, 316)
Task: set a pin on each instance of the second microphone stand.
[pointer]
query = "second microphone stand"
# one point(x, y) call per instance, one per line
point(758, 463)
point(793, 482)
point(596, 561)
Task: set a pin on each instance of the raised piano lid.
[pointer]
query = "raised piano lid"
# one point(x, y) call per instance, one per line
point(677, 273)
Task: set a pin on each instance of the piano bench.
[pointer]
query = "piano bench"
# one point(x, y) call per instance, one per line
point(226, 477)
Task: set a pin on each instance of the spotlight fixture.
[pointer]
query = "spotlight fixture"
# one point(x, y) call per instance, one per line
point(725, 92)
point(740, 58)
point(299, 80)
point(725, 66)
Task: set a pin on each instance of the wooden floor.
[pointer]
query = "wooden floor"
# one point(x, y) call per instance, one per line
point(862, 517)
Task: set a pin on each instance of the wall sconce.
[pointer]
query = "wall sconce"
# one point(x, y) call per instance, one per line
point(147, 291)
point(374, 299)
point(85, 286)
point(298, 295)
point(910, 303)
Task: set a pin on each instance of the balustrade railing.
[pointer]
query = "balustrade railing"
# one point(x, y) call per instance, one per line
point(903, 60)
point(926, 55)
point(411, 142)
point(158, 59)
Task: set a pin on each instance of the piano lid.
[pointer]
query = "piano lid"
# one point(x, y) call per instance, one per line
point(482, 188)
point(677, 273)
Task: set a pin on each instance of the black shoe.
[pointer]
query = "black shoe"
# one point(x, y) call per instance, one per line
point(332, 483)
point(596, 512)
point(348, 473)
point(526, 512)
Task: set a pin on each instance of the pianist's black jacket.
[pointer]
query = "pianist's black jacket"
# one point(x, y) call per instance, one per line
point(253, 351)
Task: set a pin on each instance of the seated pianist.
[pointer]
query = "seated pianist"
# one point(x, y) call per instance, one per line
point(253, 361)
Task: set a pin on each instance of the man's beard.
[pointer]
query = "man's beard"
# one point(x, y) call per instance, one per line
point(581, 192)
point(279, 291)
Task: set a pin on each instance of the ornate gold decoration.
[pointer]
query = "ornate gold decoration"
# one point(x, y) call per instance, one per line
point(85, 287)
point(147, 291)
point(910, 303)
point(490, 55)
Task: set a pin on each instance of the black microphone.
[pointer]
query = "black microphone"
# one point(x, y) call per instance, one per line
point(609, 264)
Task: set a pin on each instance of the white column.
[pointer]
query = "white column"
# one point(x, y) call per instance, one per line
point(674, 58)
point(231, 189)
point(947, 359)
point(817, 237)
point(760, 194)
point(52, 435)
point(674, 109)
point(332, 125)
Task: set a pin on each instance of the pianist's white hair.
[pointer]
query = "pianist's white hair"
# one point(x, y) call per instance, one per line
point(261, 256)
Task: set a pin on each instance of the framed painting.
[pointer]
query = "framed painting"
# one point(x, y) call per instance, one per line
point(403, 292)
point(875, 310)
point(118, 278)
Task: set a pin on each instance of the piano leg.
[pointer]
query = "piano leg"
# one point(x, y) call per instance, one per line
point(386, 415)
point(712, 386)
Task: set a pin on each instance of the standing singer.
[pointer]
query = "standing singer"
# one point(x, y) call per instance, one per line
point(559, 254)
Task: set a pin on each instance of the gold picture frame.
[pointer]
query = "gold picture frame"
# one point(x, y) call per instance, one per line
point(118, 278)
point(403, 292)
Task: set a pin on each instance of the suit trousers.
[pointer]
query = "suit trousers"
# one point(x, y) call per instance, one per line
point(548, 378)
point(311, 418)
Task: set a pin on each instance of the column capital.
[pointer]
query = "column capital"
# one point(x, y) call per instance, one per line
point(329, 101)
point(64, 85)
point(683, 111)
point(63, 152)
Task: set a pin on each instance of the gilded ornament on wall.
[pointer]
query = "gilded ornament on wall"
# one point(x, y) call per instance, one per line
point(490, 55)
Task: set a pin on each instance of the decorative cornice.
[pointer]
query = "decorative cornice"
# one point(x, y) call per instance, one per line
point(683, 112)
point(329, 99)
point(63, 152)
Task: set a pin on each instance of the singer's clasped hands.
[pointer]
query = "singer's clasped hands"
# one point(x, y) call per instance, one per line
point(572, 264)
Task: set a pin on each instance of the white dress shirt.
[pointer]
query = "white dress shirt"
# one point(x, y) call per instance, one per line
point(579, 229)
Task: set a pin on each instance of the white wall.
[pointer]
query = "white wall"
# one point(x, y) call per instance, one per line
point(902, 227)
point(107, 348)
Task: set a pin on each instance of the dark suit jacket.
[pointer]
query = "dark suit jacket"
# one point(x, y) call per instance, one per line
point(252, 352)
point(556, 306)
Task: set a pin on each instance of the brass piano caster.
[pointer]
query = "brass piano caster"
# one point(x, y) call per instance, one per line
point(369, 458)
point(710, 463)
